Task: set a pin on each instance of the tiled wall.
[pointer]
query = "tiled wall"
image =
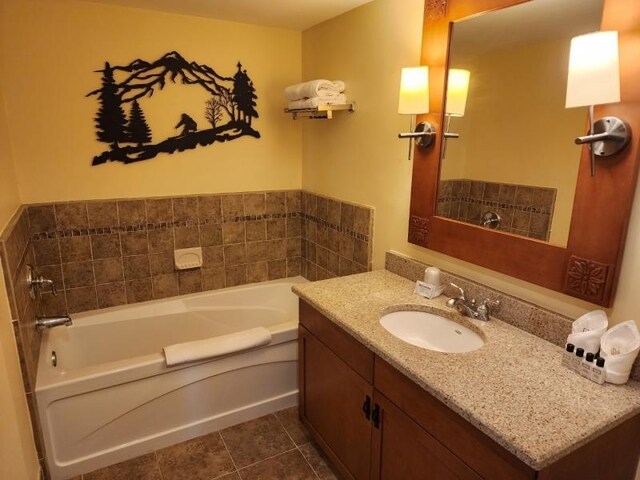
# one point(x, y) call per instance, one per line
point(526, 316)
point(337, 237)
point(524, 210)
point(16, 253)
point(108, 253)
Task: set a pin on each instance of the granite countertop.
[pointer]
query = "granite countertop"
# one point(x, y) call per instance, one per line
point(514, 388)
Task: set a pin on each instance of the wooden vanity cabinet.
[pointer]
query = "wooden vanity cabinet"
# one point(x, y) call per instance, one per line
point(364, 434)
point(383, 426)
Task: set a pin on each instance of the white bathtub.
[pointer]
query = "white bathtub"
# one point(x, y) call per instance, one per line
point(111, 396)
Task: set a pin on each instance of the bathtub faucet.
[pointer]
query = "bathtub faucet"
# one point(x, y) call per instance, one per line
point(50, 322)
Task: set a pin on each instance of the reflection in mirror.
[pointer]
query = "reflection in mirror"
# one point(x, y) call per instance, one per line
point(510, 154)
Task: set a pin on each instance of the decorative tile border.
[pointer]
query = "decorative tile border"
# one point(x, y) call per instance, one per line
point(526, 316)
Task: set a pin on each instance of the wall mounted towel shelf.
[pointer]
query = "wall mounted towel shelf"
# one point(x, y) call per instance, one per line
point(321, 111)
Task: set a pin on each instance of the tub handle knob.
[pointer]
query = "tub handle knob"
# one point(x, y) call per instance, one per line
point(54, 358)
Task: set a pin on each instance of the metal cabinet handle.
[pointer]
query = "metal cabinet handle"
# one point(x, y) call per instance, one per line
point(375, 416)
point(366, 407)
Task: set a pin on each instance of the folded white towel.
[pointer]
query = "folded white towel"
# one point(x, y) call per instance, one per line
point(314, 88)
point(216, 346)
point(587, 330)
point(619, 348)
point(314, 102)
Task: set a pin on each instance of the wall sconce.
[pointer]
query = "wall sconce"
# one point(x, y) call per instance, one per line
point(457, 91)
point(594, 79)
point(414, 100)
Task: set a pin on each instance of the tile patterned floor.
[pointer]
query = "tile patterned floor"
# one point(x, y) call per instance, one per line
point(273, 447)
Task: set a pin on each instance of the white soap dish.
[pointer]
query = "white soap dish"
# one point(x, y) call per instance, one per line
point(186, 258)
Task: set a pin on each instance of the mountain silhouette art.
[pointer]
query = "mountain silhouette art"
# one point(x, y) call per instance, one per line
point(230, 108)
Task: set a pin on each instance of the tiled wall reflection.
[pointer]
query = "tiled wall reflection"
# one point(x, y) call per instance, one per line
point(108, 253)
point(524, 210)
point(337, 237)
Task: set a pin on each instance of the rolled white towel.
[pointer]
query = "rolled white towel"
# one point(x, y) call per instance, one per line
point(216, 346)
point(587, 330)
point(314, 88)
point(619, 348)
point(317, 101)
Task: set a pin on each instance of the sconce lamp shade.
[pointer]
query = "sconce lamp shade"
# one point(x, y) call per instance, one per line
point(594, 74)
point(457, 90)
point(414, 91)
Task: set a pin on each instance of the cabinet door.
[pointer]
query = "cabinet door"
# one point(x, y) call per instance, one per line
point(332, 397)
point(403, 449)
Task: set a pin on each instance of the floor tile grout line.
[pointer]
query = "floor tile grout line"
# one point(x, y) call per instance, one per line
point(295, 443)
point(226, 447)
point(267, 458)
point(307, 461)
point(155, 454)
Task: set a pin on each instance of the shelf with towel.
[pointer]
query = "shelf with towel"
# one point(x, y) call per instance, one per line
point(321, 111)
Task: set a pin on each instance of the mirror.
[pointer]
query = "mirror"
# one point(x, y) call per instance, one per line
point(513, 166)
point(589, 265)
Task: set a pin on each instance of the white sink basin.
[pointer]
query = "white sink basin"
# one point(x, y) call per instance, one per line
point(430, 331)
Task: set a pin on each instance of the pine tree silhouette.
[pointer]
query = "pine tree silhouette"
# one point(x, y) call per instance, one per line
point(110, 119)
point(138, 130)
point(244, 95)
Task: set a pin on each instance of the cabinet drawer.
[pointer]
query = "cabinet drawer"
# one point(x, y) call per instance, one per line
point(352, 352)
point(482, 454)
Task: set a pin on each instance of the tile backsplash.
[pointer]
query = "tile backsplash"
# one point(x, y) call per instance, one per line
point(108, 253)
point(524, 210)
point(337, 237)
point(526, 316)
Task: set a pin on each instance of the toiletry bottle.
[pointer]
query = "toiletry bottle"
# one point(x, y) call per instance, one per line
point(598, 372)
point(585, 367)
point(577, 359)
point(567, 355)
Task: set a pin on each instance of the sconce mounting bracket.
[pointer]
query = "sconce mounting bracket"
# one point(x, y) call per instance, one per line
point(609, 136)
point(424, 134)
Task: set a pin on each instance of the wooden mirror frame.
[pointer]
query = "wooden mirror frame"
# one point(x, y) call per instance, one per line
point(588, 267)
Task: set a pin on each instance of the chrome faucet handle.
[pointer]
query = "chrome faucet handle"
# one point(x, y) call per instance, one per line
point(490, 303)
point(34, 281)
point(484, 310)
point(461, 290)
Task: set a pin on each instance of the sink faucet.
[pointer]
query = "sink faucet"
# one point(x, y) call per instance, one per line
point(43, 323)
point(468, 308)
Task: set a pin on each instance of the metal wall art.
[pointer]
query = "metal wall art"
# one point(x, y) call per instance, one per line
point(122, 125)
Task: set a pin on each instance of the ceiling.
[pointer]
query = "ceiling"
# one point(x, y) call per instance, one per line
point(289, 14)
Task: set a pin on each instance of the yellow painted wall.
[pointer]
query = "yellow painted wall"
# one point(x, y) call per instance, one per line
point(18, 458)
point(9, 198)
point(511, 101)
point(51, 49)
point(358, 156)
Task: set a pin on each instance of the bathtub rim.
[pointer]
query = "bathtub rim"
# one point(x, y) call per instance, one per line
point(131, 368)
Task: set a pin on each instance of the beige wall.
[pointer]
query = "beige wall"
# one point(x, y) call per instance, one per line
point(9, 198)
point(357, 157)
point(511, 100)
point(51, 51)
point(18, 458)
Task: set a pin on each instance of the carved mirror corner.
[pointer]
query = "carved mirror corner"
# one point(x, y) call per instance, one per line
point(508, 189)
